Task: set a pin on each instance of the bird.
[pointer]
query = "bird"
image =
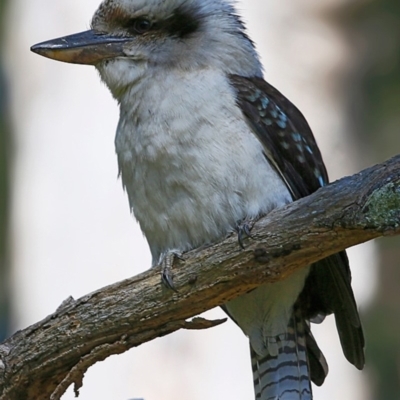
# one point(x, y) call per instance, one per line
point(205, 147)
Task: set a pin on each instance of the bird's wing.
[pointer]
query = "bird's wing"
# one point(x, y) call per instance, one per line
point(290, 147)
point(288, 142)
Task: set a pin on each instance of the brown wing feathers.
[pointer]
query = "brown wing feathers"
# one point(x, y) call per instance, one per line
point(290, 147)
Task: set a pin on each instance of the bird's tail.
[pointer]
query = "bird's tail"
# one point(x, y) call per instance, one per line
point(286, 374)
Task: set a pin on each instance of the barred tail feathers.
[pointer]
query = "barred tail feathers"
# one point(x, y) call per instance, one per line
point(286, 375)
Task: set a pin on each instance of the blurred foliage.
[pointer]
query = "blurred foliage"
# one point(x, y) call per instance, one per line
point(372, 27)
point(373, 30)
point(4, 188)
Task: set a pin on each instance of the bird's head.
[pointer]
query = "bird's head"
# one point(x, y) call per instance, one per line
point(131, 38)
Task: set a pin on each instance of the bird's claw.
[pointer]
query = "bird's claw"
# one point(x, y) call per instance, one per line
point(166, 265)
point(243, 230)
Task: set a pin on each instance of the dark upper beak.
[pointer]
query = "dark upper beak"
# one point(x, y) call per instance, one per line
point(82, 48)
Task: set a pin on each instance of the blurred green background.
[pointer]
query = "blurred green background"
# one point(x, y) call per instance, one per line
point(373, 103)
point(374, 29)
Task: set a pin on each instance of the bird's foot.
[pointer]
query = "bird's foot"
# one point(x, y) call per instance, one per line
point(243, 229)
point(166, 261)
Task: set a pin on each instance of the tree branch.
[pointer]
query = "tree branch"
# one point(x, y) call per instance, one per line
point(41, 361)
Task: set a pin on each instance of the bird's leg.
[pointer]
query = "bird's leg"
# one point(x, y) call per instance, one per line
point(166, 261)
point(243, 229)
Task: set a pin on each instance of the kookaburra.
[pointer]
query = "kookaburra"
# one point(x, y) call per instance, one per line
point(205, 146)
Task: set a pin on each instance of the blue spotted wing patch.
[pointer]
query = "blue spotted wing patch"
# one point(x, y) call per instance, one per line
point(287, 139)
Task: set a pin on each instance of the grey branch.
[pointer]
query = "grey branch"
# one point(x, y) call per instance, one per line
point(41, 361)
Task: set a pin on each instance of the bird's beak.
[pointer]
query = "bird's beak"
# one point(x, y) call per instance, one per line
point(86, 47)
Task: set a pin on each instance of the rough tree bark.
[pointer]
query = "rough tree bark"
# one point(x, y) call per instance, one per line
point(41, 361)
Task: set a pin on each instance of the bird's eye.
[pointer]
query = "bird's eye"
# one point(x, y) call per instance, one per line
point(140, 25)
